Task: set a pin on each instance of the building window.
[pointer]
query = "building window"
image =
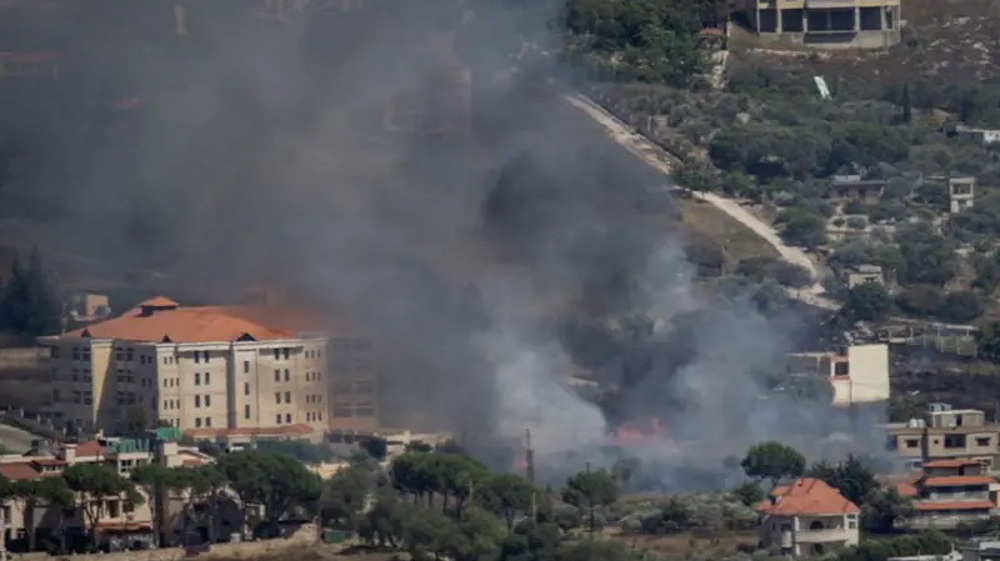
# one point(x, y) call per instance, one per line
point(197, 422)
point(982, 441)
point(246, 366)
point(277, 375)
point(288, 417)
point(912, 443)
point(285, 350)
point(342, 411)
point(204, 356)
point(129, 356)
point(197, 357)
point(954, 441)
point(208, 378)
point(288, 375)
point(365, 411)
point(197, 378)
point(208, 421)
point(197, 401)
point(246, 411)
point(288, 397)
point(208, 401)
point(343, 388)
point(277, 419)
point(363, 386)
point(277, 354)
point(277, 397)
point(246, 388)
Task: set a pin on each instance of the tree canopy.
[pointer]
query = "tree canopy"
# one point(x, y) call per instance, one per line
point(773, 460)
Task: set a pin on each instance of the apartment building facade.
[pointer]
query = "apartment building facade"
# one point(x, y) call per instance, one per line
point(807, 517)
point(949, 493)
point(946, 434)
point(122, 523)
point(213, 371)
point(828, 23)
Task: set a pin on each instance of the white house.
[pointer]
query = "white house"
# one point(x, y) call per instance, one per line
point(807, 517)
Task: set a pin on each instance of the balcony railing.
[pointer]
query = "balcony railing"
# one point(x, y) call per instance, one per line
point(824, 535)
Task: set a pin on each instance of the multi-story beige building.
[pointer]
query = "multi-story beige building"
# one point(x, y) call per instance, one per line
point(213, 371)
point(947, 434)
point(828, 23)
point(949, 493)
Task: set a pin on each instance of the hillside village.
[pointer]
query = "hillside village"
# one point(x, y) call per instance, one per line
point(196, 363)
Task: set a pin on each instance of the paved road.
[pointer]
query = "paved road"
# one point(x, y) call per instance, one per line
point(660, 159)
point(15, 439)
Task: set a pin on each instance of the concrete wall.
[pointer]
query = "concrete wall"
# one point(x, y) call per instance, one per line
point(869, 373)
point(305, 536)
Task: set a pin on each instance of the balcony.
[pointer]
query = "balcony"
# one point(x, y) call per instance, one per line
point(823, 536)
point(830, 4)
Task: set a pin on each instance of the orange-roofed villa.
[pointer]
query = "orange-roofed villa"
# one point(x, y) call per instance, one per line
point(807, 517)
point(216, 372)
point(949, 493)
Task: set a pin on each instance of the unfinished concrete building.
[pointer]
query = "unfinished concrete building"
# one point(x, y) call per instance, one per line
point(867, 24)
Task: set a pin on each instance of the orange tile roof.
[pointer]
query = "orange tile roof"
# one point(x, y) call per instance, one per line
point(158, 302)
point(958, 480)
point(950, 463)
point(287, 430)
point(906, 489)
point(202, 324)
point(954, 505)
point(19, 471)
point(809, 496)
point(780, 490)
point(89, 449)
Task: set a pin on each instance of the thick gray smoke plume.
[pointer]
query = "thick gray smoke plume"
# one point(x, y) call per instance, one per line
point(254, 151)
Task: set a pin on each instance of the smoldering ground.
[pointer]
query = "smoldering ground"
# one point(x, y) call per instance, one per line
point(255, 153)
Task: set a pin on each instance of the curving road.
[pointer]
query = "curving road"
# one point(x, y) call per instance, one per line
point(657, 157)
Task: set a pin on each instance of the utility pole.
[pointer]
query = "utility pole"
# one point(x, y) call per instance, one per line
point(529, 468)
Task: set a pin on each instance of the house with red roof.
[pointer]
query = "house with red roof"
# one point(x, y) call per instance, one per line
point(807, 517)
point(949, 493)
point(215, 372)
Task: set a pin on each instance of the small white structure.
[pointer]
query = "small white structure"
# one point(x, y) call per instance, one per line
point(985, 137)
point(863, 274)
point(807, 517)
point(858, 373)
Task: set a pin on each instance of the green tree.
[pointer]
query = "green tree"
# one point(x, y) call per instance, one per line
point(93, 484)
point(988, 341)
point(773, 460)
point(203, 485)
point(882, 508)
point(344, 496)
point(851, 477)
point(478, 537)
point(280, 483)
point(929, 258)
point(802, 227)
point(749, 493)
point(506, 495)
point(590, 489)
point(962, 305)
point(695, 176)
point(375, 447)
point(868, 301)
point(55, 493)
point(155, 480)
point(29, 306)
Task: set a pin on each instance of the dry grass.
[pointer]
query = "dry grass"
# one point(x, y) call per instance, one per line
point(687, 545)
point(707, 222)
point(320, 552)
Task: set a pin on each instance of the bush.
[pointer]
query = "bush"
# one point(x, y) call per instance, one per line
point(803, 227)
point(921, 300)
point(869, 301)
point(963, 305)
